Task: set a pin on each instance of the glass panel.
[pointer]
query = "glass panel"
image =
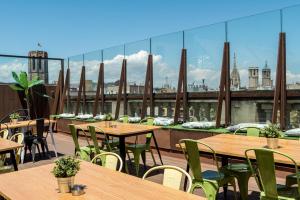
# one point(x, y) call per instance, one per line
point(54, 67)
point(137, 57)
point(8, 65)
point(254, 46)
point(203, 110)
point(113, 58)
point(166, 50)
point(204, 57)
point(164, 108)
point(293, 114)
point(291, 18)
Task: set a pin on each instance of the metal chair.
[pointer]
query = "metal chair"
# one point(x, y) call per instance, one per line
point(266, 175)
point(4, 134)
point(173, 176)
point(108, 160)
point(210, 181)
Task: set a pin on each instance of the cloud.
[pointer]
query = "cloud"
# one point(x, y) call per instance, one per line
point(7, 67)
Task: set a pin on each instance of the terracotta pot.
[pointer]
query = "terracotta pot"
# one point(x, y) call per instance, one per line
point(65, 184)
point(272, 143)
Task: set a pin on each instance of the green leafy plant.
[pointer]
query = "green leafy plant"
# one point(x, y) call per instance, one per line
point(23, 84)
point(272, 131)
point(66, 167)
point(14, 116)
point(109, 117)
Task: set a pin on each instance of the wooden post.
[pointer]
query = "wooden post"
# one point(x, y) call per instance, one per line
point(99, 91)
point(224, 87)
point(280, 86)
point(57, 94)
point(122, 86)
point(81, 89)
point(63, 95)
point(181, 89)
point(148, 89)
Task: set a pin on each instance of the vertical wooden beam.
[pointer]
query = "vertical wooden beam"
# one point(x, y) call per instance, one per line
point(223, 85)
point(80, 90)
point(283, 83)
point(147, 87)
point(84, 92)
point(151, 86)
point(227, 88)
point(57, 94)
point(99, 87)
point(63, 95)
point(125, 102)
point(102, 88)
point(184, 86)
point(181, 89)
point(277, 92)
point(121, 87)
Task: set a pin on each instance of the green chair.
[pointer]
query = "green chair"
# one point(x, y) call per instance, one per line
point(139, 150)
point(4, 134)
point(107, 144)
point(241, 171)
point(125, 119)
point(209, 181)
point(18, 138)
point(86, 152)
point(109, 160)
point(265, 166)
point(172, 176)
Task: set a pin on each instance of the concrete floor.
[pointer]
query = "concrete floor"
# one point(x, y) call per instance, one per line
point(65, 146)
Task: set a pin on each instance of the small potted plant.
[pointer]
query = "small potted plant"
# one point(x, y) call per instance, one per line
point(65, 170)
point(272, 133)
point(108, 117)
point(14, 117)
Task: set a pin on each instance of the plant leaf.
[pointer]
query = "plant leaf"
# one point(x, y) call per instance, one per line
point(16, 87)
point(23, 79)
point(35, 82)
point(15, 76)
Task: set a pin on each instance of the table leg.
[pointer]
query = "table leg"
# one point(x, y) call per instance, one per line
point(13, 159)
point(156, 146)
point(224, 163)
point(122, 151)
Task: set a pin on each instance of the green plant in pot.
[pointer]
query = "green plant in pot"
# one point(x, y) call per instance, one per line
point(272, 133)
point(65, 170)
point(109, 117)
point(14, 117)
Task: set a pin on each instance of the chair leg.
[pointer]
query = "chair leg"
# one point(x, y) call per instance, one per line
point(33, 147)
point(243, 180)
point(154, 161)
point(46, 147)
point(143, 154)
point(137, 161)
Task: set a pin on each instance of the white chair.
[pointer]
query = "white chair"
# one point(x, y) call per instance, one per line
point(172, 176)
point(4, 134)
point(108, 160)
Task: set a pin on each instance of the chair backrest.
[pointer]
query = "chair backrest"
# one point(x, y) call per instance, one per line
point(40, 127)
point(18, 138)
point(172, 176)
point(4, 134)
point(108, 160)
point(266, 170)
point(250, 131)
point(92, 130)
point(74, 136)
point(149, 121)
point(125, 119)
point(190, 150)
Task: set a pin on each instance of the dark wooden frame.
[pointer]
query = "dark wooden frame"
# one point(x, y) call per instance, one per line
point(122, 92)
point(182, 88)
point(64, 92)
point(55, 106)
point(80, 91)
point(100, 91)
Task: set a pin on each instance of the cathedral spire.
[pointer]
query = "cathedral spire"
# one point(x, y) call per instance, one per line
point(234, 60)
point(266, 64)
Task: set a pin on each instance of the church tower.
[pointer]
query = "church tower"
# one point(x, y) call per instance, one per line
point(38, 65)
point(267, 82)
point(253, 78)
point(235, 81)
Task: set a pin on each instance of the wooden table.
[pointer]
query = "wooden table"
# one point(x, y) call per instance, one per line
point(31, 123)
point(101, 183)
point(123, 130)
point(7, 146)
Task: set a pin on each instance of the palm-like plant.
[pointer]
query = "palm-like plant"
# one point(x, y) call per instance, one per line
point(23, 84)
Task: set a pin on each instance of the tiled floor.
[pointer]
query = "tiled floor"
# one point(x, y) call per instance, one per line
point(65, 146)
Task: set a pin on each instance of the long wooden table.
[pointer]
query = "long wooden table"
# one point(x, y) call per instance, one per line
point(39, 184)
point(123, 130)
point(7, 146)
point(30, 123)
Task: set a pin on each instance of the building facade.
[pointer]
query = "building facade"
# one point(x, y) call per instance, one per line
point(38, 65)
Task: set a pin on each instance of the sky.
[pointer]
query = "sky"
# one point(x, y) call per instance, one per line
point(72, 27)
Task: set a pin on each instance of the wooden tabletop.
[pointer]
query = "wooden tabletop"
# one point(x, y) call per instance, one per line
point(6, 145)
point(101, 183)
point(21, 124)
point(235, 145)
point(120, 129)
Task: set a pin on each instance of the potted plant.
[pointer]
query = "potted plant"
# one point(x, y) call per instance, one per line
point(272, 133)
point(65, 170)
point(108, 117)
point(14, 117)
